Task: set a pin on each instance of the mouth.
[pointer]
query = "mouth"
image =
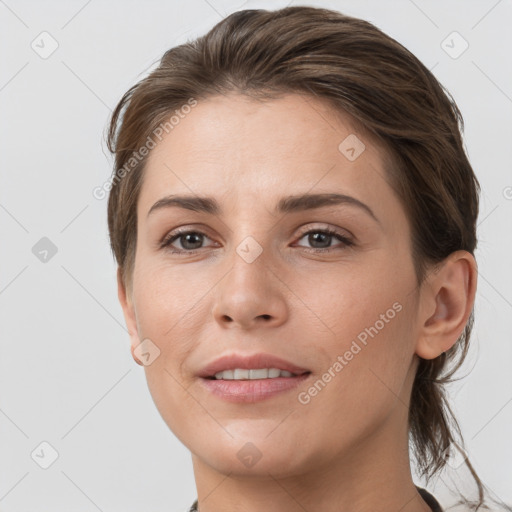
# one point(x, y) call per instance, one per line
point(251, 377)
point(248, 387)
point(235, 366)
point(254, 374)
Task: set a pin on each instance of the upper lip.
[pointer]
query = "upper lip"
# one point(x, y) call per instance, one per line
point(249, 362)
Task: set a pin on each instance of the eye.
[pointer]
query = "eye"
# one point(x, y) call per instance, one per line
point(190, 241)
point(322, 238)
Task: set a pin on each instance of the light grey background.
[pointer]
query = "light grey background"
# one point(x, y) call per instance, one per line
point(66, 374)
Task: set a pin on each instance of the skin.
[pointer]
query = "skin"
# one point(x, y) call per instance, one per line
point(345, 450)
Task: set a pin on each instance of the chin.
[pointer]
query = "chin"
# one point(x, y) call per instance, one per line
point(243, 456)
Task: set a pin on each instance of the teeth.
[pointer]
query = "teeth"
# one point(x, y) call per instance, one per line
point(263, 373)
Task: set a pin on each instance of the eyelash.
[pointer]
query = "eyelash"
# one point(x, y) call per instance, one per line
point(169, 239)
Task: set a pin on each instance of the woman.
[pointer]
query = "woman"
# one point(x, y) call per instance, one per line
point(294, 221)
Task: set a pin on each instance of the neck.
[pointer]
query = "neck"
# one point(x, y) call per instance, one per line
point(373, 475)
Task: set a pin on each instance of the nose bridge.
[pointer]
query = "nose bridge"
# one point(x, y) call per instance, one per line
point(249, 272)
point(250, 231)
point(249, 293)
point(252, 244)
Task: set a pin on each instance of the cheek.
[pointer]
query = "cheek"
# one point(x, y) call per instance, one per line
point(169, 314)
point(166, 312)
point(362, 383)
point(362, 328)
point(167, 299)
point(344, 301)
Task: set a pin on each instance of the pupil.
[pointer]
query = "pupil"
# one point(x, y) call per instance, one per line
point(313, 238)
point(187, 241)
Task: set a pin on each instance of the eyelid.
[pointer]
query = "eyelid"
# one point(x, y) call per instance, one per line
point(322, 226)
point(180, 231)
point(347, 241)
point(304, 229)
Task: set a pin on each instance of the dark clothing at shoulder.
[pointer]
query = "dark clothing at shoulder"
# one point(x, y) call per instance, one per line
point(430, 500)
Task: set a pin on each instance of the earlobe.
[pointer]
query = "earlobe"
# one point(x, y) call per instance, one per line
point(135, 358)
point(447, 300)
point(129, 315)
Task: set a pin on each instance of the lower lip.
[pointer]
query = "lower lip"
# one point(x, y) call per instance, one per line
point(252, 390)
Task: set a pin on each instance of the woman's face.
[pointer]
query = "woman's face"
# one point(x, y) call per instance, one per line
point(266, 280)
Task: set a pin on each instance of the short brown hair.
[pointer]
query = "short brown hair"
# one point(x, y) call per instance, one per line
point(358, 70)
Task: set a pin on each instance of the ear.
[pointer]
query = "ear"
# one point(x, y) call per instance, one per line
point(129, 315)
point(447, 300)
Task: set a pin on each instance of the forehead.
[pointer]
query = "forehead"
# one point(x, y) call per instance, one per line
point(235, 146)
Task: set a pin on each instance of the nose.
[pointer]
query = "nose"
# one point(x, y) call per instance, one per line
point(250, 295)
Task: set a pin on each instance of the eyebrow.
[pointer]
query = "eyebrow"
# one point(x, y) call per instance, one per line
point(287, 204)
